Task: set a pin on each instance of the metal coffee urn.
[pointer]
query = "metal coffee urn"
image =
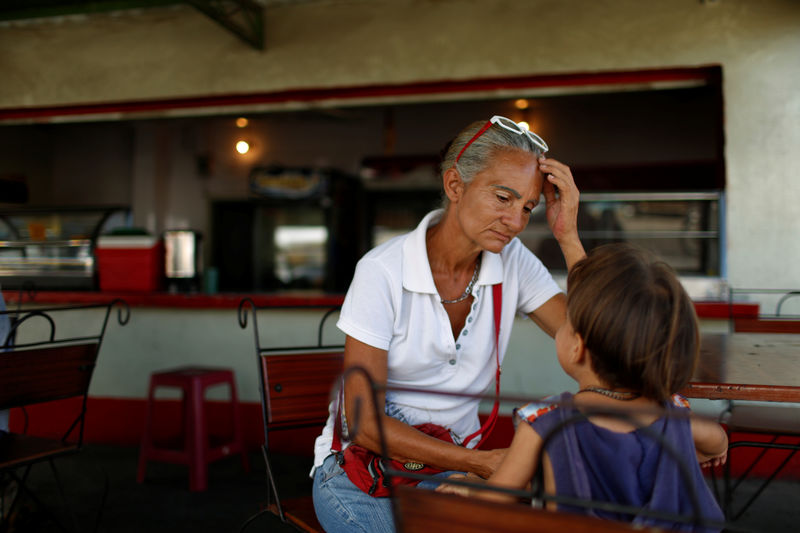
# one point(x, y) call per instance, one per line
point(183, 260)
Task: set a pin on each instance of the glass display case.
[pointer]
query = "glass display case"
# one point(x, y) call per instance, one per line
point(53, 248)
point(683, 228)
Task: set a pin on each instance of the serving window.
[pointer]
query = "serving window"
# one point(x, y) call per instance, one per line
point(646, 149)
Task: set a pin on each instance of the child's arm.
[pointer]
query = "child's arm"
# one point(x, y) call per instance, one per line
point(710, 441)
point(515, 472)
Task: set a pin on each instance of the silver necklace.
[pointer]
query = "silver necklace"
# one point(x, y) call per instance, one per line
point(615, 394)
point(470, 285)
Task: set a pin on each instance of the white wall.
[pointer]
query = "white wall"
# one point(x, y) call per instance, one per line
point(159, 339)
point(176, 52)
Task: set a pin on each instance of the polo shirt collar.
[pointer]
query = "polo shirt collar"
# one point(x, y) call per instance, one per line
point(417, 276)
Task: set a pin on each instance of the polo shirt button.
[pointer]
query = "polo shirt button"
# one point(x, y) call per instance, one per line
point(469, 319)
point(465, 332)
point(452, 361)
point(458, 346)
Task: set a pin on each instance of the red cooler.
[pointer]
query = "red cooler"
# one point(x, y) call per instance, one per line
point(130, 262)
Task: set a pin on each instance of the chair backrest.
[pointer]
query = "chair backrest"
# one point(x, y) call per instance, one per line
point(425, 511)
point(462, 514)
point(45, 374)
point(296, 381)
point(58, 367)
point(298, 386)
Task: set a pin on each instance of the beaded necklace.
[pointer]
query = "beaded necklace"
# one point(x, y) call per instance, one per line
point(615, 394)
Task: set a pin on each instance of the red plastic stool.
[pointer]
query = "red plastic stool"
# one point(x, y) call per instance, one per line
point(198, 449)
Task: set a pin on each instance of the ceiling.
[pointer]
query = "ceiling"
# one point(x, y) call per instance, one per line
point(243, 18)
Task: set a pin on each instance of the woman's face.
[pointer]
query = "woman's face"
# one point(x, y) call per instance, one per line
point(497, 204)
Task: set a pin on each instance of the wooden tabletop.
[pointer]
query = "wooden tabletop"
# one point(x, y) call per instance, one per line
point(747, 366)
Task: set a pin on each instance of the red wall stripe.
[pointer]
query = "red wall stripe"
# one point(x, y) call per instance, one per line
point(119, 421)
point(719, 309)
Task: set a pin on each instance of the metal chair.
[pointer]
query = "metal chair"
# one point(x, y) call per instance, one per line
point(295, 387)
point(422, 510)
point(58, 368)
point(779, 424)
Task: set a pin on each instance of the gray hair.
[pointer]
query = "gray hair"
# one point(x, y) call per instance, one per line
point(480, 153)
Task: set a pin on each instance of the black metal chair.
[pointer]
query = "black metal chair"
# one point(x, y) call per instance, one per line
point(422, 510)
point(779, 424)
point(295, 387)
point(58, 368)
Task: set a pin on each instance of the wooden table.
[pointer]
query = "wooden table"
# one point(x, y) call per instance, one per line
point(747, 366)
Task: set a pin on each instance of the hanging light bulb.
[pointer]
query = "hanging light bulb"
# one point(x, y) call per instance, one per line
point(242, 147)
point(242, 122)
point(521, 103)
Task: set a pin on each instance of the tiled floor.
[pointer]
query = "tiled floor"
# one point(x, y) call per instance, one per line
point(163, 503)
point(103, 477)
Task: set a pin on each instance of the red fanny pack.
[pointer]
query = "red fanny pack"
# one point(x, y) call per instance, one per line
point(367, 469)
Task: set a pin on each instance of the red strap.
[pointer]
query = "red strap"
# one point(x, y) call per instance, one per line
point(488, 426)
point(480, 132)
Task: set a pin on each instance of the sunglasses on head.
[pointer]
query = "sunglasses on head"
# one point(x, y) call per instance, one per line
point(510, 125)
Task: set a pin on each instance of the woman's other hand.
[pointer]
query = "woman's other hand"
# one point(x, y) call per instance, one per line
point(456, 489)
point(489, 462)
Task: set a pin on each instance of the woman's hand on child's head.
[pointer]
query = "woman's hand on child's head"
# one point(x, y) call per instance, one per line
point(561, 198)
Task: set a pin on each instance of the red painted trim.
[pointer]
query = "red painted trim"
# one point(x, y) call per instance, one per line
point(120, 421)
point(758, 325)
point(187, 301)
point(722, 310)
point(726, 310)
point(707, 74)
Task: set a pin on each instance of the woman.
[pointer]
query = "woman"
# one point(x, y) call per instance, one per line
point(419, 311)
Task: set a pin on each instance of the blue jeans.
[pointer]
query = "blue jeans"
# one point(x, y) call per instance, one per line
point(342, 507)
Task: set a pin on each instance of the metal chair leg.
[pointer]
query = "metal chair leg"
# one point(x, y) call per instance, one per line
point(793, 448)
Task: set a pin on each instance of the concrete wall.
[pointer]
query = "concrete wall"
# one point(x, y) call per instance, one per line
point(177, 52)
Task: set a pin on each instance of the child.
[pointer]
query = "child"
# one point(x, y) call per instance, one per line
point(630, 340)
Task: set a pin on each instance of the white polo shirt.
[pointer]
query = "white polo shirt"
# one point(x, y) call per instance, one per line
point(392, 304)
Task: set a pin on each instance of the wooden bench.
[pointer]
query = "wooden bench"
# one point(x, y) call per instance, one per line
point(296, 384)
point(39, 372)
point(425, 511)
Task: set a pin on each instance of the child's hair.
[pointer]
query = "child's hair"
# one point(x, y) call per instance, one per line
point(635, 318)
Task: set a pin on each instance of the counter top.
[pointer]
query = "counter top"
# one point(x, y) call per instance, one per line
point(705, 309)
point(176, 300)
